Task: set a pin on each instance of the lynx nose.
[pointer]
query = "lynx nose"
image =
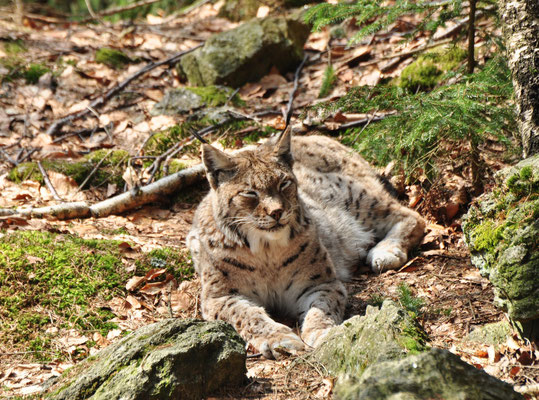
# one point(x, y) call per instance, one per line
point(276, 214)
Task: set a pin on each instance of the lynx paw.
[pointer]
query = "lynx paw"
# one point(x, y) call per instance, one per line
point(315, 337)
point(386, 255)
point(279, 345)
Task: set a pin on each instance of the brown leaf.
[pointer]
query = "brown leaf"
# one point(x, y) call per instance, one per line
point(134, 282)
point(154, 273)
point(153, 288)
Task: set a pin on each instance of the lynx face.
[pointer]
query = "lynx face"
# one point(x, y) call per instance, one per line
point(256, 193)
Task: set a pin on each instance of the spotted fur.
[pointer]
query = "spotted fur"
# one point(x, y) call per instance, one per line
point(282, 226)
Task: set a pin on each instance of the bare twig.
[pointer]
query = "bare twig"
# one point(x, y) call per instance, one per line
point(93, 171)
point(289, 107)
point(57, 125)
point(117, 10)
point(406, 54)
point(48, 182)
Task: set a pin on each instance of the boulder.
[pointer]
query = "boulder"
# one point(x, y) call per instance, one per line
point(381, 334)
point(247, 53)
point(434, 374)
point(171, 359)
point(502, 233)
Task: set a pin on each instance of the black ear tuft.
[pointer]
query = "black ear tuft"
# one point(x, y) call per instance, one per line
point(216, 162)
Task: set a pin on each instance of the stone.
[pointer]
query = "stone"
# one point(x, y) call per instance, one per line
point(495, 333)
point(247, 52)
point(381, 334)
point(185, 99)
point(177, 101)
point(502, 233)
point(434, 374)
point(170, 359)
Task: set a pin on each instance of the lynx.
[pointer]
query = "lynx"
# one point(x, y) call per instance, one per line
point(282, 227)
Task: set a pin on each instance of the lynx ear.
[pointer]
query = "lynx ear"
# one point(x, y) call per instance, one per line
point(217, 164)
point(282, 147)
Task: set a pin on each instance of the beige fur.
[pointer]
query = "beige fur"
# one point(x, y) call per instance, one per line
point(282, 227)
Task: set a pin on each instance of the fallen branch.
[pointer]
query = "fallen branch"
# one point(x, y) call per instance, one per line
point(289, 107)
point(136, 197)
point(57, 125)
point(48, 182)
point(117, 10)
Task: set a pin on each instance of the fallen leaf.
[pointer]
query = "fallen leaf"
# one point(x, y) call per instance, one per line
point(154, 273)
point(134, 282)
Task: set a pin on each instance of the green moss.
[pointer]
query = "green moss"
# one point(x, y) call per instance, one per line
point(215, 96)
point(49, 278)
point(429, 68)
point(175, 166)
point(112, 58)
point(13, 47)
point(110, 169)
point(34, 71)
point(177, 262)
point(18, 69)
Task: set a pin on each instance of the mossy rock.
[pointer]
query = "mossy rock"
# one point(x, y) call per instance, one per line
point(495, 333)
point(247, 53)
point(112, 58)
point(429, 68)
point(181, 100)
point(110, 170)
point(502, 233)
point(239, 10)
point(434, 374)
point(171, 359)
point(382, 334)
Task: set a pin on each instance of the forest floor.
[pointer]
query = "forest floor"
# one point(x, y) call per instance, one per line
point(456, 299)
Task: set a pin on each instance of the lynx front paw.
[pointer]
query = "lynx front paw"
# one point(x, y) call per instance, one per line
point(279, 345)
point(315, 337)
point(386, 255)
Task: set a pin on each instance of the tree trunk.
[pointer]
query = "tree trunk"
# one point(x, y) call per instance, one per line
point(520, 20)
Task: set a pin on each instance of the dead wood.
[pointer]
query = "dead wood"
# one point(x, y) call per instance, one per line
point(48, 182)
point(135, 197)
point(117, 10)
point(289, 107)
point(101, 100)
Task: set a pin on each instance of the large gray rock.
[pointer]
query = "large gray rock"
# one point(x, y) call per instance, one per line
point(502, 233)
point(381, 334)
point(171, 359)
point(247, 53)
point(435, 374)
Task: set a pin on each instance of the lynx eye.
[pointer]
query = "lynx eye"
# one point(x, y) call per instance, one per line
point(251, 194)
point(285, 184)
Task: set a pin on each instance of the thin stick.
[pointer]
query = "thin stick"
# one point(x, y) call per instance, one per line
point(48, 182)
point(407, 53)
point(93, 171)
point(57, 125)
point(289, 107)
point(117, 10)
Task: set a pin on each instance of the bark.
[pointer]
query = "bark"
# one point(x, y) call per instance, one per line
point(521, 31)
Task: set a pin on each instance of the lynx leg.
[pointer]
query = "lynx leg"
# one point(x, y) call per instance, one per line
point(321, 308)
point(254, 325)
point(392, 251)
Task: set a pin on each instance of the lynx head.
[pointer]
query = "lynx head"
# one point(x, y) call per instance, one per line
point(254, 193)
